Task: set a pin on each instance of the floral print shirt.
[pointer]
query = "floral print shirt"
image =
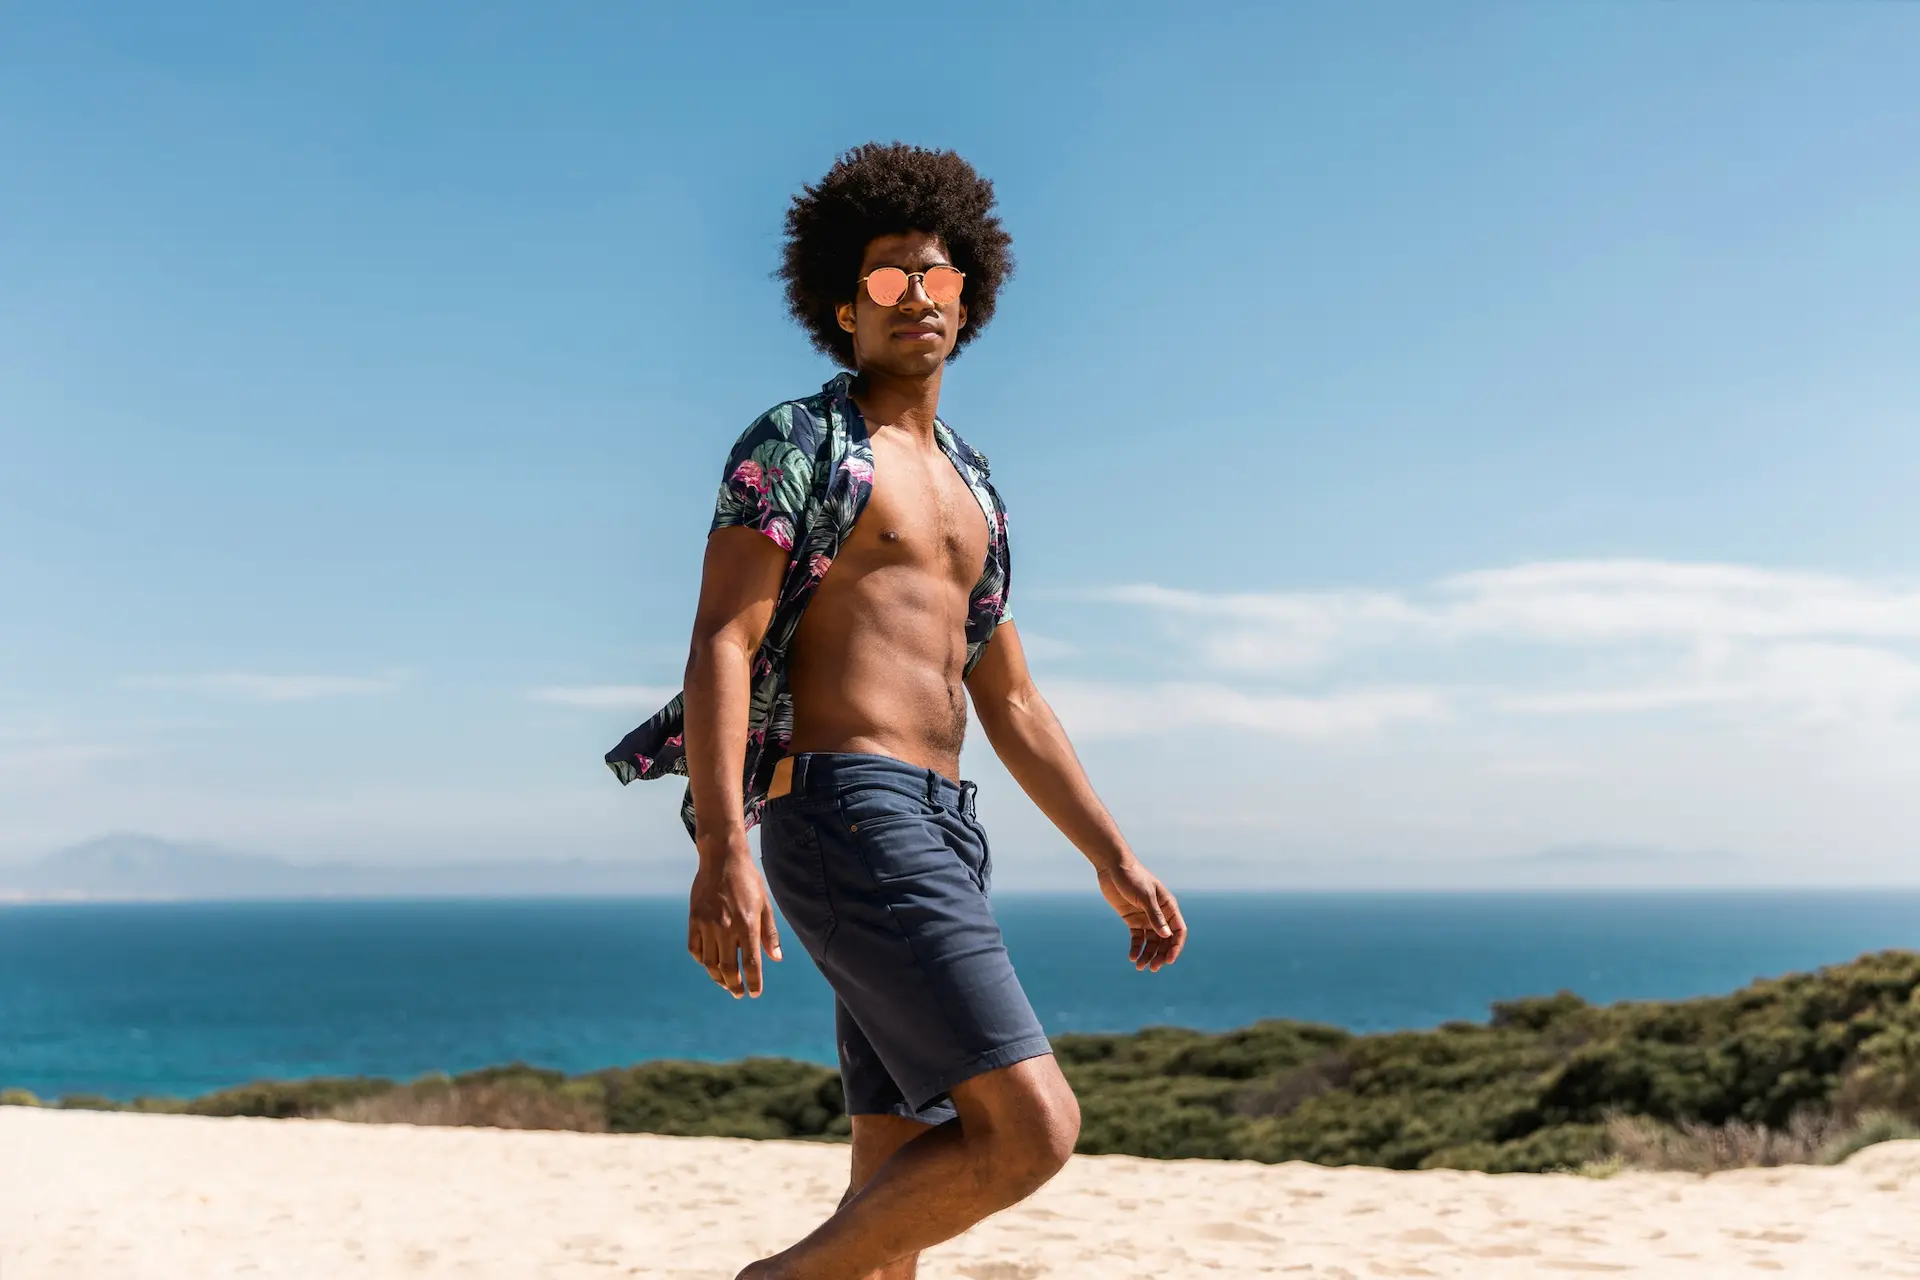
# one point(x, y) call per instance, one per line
point(801, 475)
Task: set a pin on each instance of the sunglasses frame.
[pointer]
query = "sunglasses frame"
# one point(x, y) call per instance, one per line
point(911, 276)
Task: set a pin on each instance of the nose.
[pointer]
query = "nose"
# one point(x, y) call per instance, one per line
point(915, 300)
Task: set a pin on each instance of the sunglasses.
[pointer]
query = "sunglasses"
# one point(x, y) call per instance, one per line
point(888, 285)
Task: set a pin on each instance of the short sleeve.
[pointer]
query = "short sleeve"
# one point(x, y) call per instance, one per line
point(1002, 552)
point(769, 476)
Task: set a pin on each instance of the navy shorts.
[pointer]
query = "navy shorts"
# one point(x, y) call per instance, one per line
point(882, 870)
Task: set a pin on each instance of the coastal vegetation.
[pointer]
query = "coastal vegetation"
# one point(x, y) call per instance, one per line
point(1807, 1067)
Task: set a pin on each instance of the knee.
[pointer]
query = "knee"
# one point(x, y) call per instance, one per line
point(1029, 1163)
point(1032, 1153)
point(1063, 1129)
point(1053, 1148)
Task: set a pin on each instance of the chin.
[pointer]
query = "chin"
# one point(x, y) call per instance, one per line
point(907, 364)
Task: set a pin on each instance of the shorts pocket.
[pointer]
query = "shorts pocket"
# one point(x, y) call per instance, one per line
point(896, 846)
point(861, 807)
point(795, 867)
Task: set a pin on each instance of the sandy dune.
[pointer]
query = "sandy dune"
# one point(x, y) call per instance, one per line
point(88, 1196)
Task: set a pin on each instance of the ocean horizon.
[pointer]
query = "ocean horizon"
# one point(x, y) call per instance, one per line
point(179, 998)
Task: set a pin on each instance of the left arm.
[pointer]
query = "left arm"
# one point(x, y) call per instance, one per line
point(1028, 738)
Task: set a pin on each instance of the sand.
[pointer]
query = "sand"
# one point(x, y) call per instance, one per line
point(86, 1196)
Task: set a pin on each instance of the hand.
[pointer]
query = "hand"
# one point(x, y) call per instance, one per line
point(1157, 932)
point(729, 919)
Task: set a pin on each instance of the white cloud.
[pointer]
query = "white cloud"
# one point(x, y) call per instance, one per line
point(1091, 710)
point(261, 687)
point(1567, 602)
point(1831, 682)
point(1251, 631)
point(627, 697)
point(1602, 601)
point(1669, 635)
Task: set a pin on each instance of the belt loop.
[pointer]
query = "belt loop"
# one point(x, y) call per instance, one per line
point(800, 763)
point(967, 793)
point(933, 789)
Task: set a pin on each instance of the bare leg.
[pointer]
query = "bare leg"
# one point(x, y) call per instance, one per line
point(875, 1139)
point(1016, 1129)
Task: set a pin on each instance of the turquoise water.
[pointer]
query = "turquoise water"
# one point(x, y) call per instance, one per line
point(183, 998)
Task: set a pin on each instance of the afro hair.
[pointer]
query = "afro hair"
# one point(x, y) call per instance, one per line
point(883, 189)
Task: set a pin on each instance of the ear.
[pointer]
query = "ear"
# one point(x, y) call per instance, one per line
point(963, 317)
point(844, 314)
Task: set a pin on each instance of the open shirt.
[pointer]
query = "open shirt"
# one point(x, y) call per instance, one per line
point(801, 475)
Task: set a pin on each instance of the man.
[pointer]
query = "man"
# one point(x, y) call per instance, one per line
point(855, 578)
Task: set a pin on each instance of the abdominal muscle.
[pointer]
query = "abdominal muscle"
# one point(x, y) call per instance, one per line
point(877, 665)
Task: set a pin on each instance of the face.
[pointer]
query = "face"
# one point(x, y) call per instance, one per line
point(913, 337)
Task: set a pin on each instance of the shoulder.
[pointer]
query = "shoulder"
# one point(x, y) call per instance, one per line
point(795, 422)
point(809, 423)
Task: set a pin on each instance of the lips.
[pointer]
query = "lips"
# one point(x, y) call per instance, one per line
point(917, 333)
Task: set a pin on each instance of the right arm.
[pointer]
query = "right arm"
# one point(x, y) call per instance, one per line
point(729, 916)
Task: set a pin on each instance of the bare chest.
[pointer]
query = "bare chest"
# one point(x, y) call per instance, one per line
point(920, 515)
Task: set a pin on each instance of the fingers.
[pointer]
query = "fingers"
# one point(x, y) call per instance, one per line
point(1154, 927)
point(769, 933)
point(709, 953)
point(1177, 942)
point(1153, 952)
point(732, 960)
point(726, 937)
point(1155, 916)
point(1164, 949)
point(750, 970)
point(731, 963)
point(764, 934)
point(1157, 932)
point(705, 945)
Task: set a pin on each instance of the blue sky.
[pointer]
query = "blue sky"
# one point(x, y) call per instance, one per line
point(1435, 432)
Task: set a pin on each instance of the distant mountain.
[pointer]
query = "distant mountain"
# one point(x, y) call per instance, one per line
point(131, 866)
point(142, 866)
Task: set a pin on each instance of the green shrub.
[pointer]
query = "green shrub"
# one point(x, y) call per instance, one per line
point(1805, 1067)
point(754, 1098)
point(289, 1099)
point(507, 1101)
point(1884, 1073)
point(88, 1102)
point(1870, 1130)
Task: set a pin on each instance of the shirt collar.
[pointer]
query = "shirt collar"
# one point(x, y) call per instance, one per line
point(839, 389)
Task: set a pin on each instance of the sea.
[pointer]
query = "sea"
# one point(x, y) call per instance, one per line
point(177, 999)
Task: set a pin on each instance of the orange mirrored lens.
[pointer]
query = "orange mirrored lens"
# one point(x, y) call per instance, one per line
point(887, 285)
point(943, 285)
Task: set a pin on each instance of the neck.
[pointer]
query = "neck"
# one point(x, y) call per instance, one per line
point(888, 400)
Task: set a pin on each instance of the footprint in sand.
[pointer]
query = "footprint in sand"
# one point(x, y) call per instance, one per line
point(1231, 1231)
